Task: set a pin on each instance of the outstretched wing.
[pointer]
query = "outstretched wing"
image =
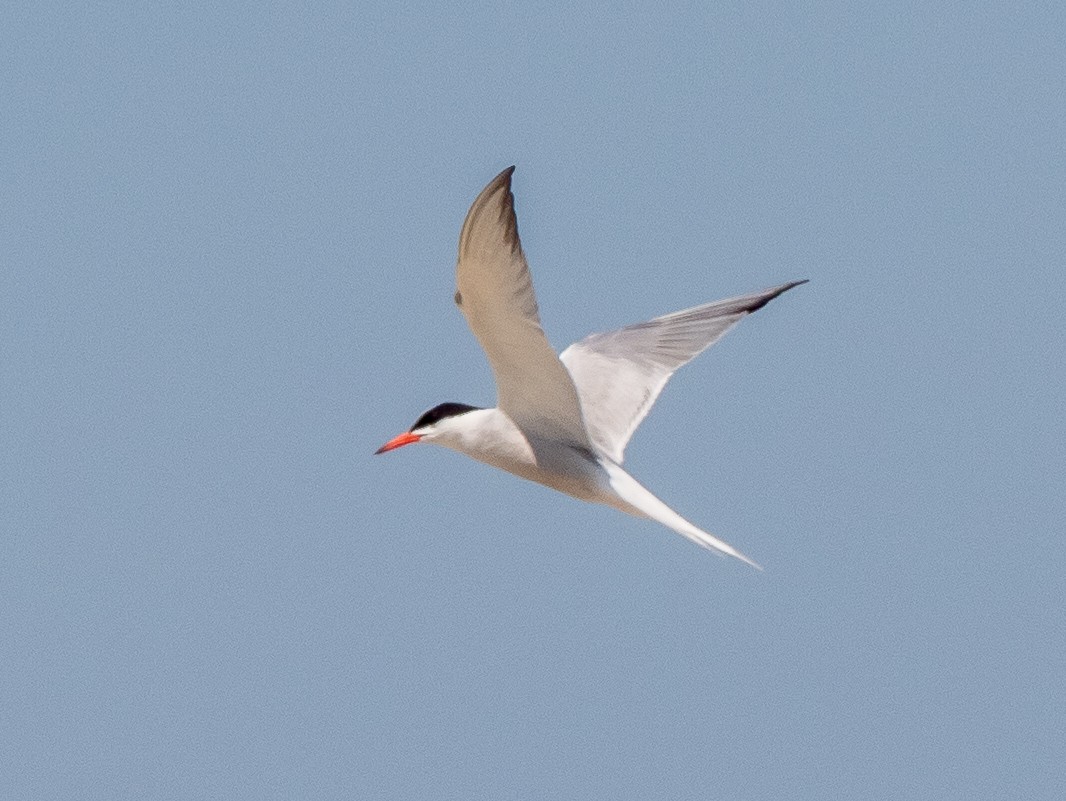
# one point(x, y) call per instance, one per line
point(495, 293)
point(619, 374)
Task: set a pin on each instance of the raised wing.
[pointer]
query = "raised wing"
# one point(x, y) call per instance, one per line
point(495, 293)
point(619, 374)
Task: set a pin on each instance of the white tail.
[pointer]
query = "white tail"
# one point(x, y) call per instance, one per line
point(643, 504)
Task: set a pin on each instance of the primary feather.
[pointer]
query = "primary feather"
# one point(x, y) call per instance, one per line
point(619, 374)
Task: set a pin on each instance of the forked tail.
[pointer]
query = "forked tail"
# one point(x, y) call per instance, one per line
point(643, 503)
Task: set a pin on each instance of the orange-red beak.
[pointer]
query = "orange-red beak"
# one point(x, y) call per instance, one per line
point(406, 438)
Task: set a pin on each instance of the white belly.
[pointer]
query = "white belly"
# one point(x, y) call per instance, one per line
point(497, 441)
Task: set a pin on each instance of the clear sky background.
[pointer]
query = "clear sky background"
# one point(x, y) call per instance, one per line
point(227, 246)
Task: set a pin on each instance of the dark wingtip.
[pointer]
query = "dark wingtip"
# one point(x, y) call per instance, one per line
point(504, 177)
point(497, 193)
point(507, 214)
point(780, 291)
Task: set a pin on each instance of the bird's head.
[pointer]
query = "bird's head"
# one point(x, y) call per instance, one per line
point(439, 424)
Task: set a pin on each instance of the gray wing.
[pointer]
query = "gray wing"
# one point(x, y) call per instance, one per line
point(495, 293)
point(619, 374)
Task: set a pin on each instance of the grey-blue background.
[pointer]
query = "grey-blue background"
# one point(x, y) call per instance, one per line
point(227, 239)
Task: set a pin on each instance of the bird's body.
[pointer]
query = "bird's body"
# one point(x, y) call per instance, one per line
point(564, 421)
point(492, 437)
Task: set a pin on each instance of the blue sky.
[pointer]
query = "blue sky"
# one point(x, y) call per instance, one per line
point(228, 240)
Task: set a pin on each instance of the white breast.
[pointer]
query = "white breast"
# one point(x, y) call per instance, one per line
point(490, 436)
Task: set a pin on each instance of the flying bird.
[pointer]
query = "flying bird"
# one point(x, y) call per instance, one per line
point(564, 421)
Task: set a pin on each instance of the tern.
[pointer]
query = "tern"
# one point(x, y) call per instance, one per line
point(564, 421)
